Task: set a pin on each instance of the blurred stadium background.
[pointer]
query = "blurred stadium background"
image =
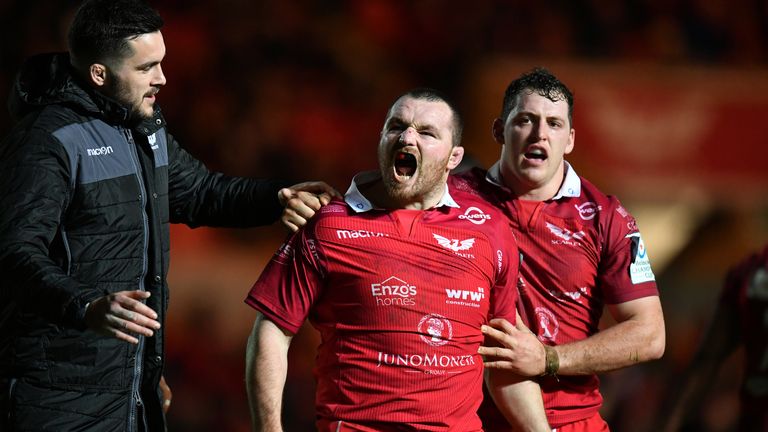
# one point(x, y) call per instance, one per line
point(671, 113)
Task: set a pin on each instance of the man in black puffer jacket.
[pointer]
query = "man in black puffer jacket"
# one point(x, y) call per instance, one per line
point(89, 181)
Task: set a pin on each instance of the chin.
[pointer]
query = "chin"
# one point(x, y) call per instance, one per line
point(144, 114)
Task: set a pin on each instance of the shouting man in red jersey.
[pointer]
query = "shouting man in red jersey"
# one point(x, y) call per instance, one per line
point(398, 278)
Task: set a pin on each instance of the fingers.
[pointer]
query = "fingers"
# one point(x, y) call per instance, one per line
point(295, 218)
point(123, 315)
point(292, 227)
point(300, 207)
point(497, 335)
point(499, 364)
point(502, 324)
point(496, 357)
point(324, 198)
point(317, 188)
point(490, 351)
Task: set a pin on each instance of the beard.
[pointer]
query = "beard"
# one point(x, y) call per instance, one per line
point(427, 180)
point(122, 93)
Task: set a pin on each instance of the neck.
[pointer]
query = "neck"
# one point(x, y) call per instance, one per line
point(381, 197)
point(533, 191)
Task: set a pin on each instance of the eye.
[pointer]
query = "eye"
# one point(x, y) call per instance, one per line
point(555, 124)
point(523, 120)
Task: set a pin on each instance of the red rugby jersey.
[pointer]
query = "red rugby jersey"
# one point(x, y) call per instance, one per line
point(745, 293)
point(398, 298)
point(579, 251)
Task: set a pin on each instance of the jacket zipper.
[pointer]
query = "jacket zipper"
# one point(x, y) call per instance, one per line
point(136, 400)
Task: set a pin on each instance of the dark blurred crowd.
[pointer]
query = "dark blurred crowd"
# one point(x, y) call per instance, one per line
point(272, 87)
point(296, 89)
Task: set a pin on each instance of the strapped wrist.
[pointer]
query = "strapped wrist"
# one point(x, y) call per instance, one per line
point(551, 362)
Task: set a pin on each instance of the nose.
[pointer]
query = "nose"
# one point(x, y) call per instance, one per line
point(159, 77)
point(539, 132)
point(408, 137)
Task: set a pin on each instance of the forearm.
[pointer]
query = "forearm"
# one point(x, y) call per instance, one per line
point(519, 400)
point(626, 343)
point(200, 197)
point(266, 369)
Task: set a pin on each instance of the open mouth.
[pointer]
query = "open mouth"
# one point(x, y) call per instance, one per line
point(536, 154)
point(405, 164)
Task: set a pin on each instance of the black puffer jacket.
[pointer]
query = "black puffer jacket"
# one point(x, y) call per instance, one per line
point(85, 202)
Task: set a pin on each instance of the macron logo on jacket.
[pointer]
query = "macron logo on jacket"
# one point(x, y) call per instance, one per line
point(100, 151)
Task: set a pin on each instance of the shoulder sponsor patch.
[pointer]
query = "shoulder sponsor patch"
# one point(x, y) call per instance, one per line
point(640, 266)
point(475, 215)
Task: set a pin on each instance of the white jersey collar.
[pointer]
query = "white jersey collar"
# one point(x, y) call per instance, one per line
point(360, 204)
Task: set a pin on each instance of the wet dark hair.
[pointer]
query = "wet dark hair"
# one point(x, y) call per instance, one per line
point(432, 95)
point(101, 30)
point(541, 81)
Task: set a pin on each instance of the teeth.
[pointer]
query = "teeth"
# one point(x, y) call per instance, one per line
point(537, 152)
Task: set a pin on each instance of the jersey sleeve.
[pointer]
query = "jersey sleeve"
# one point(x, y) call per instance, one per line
point(625, 272)
point(504, 291)
point(289, 284)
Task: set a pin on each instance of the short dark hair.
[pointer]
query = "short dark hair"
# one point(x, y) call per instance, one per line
point(432, 95)
point(541, 81)
point(101, 30)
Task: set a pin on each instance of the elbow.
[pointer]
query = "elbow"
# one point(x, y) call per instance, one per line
point(656, 349)
point(656, 345)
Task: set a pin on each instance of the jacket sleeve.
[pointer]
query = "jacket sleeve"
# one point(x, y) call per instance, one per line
point(199, 197)
point(34, 192)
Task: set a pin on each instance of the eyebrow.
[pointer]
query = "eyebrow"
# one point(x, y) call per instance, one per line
point(424, 127)
point(532, 114)
point(147, 64)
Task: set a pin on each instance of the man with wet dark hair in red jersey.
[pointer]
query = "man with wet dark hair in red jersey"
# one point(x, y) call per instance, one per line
point(580, 251)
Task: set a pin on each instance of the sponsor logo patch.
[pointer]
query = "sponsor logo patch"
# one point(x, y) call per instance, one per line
point(153, 142)
point(566, 236)
point(465, 297)
point(284, 254)
point(393, 291)
point(475, 215)
point(588, 210)
point(456, 245)
point(548, 324)
point(100, 151)
point(356, 234)
point(428, 364)
point(435, 330)
point(640, 266)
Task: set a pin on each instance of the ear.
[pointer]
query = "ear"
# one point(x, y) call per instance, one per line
point(497, 129)
point(457, 154)
point(97, 73)
point(571, 141)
